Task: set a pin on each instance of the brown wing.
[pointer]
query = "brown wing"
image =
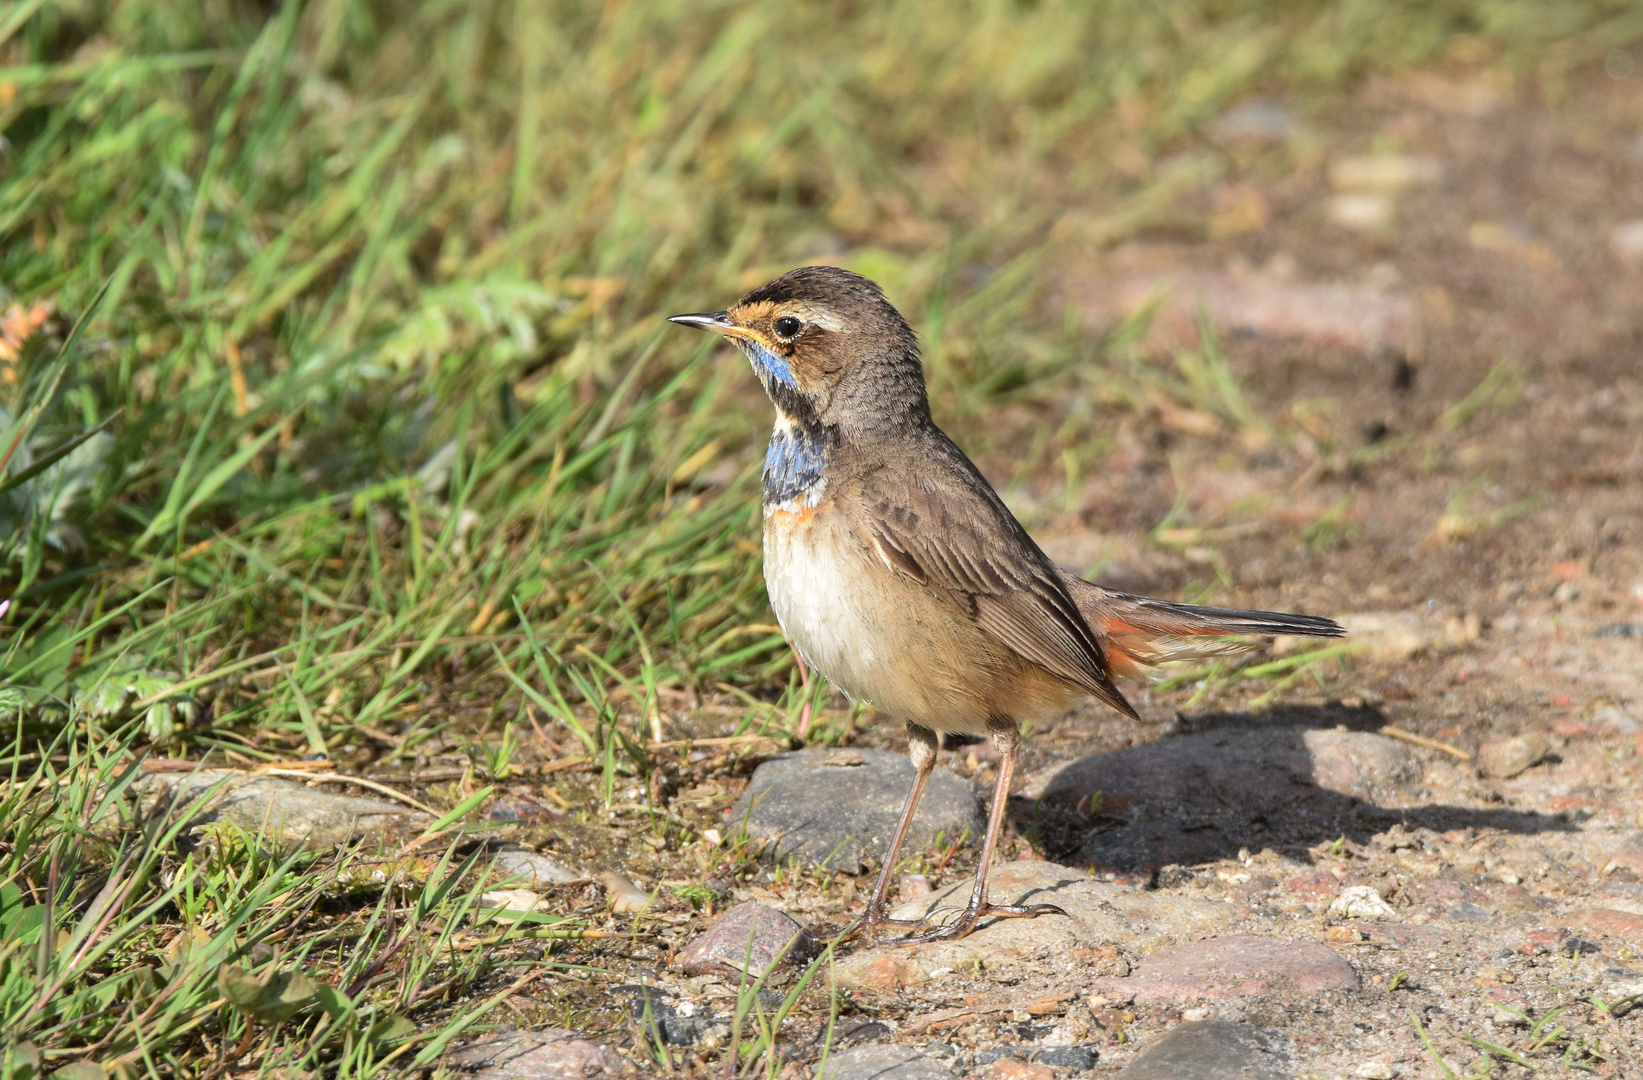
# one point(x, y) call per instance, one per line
point(948, 531)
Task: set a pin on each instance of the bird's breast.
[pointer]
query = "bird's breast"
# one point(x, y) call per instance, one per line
point(867, 632)
point(795, 466)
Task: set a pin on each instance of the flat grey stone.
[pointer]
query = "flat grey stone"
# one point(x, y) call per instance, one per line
point(1212, 1050)
point(1099, 914)
point(532, 868)
point(1080, 1058)
point(1235, 966)
point(553, 1054)
point(288, 812)
point(1193, 799)
point(837, 807)
point(883, 1063)
point(752, 936)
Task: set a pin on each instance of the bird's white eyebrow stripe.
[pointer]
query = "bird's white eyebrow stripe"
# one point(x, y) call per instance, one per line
point(826, 322)
point(815, 316)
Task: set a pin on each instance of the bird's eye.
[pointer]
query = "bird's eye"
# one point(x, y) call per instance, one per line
point(788, 327)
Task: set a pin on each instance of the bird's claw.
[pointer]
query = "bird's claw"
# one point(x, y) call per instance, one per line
point(972, 916)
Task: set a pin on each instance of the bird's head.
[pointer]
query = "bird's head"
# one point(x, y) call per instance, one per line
point(829, 349)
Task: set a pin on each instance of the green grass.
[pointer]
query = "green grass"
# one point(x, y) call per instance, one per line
point(350, 419)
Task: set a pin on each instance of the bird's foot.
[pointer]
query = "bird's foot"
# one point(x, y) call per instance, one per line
point(972, 916)
point(874, 920)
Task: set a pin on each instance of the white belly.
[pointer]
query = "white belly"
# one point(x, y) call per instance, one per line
point(850, 624)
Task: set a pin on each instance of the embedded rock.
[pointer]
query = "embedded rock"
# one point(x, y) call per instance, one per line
point(289, 813)
point(751, 937)
point(1236, 966)
point(883, 1063)
point(1212, 1050)
point(553, 1054)
point(837, 808)
point(1099, 917)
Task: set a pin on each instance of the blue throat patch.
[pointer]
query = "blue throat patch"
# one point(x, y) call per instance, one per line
point(771, 369)
point(794, 463)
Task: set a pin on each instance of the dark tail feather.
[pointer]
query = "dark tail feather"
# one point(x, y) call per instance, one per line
point(1167, 618)
point(1140, 632)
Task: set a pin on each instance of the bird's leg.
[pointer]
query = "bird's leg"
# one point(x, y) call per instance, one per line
point(1007, 737)
point(921, 747)
point(804, 685)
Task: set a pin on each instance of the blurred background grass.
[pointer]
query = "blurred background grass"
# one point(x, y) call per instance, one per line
point(377, 361)
point(337, 407)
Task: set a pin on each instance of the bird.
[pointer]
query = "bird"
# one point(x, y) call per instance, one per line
point(897, 572)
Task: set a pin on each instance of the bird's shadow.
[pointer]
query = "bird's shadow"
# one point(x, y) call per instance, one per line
point(1287, 779)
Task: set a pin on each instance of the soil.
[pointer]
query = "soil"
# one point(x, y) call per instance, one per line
point(1467, 387)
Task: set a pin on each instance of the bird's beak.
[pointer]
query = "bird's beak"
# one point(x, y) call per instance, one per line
point(716, 321)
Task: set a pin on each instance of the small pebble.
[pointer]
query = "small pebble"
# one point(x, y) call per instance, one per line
point(1376, 1070)
point(1626, 240)
point(1362, 902)
point(626, 898)
point(1506, 758)
point(508, 900)
point(749, 935)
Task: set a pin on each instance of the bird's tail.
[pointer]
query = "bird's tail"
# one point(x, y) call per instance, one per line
point(1140, 632)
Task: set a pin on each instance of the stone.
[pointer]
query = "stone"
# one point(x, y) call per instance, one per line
point(1079, 1058)
point(1314, 885)
point(1099, 915)
point(1615, 721)
point(1362, 902)
point(289, 813)
point(1443, 891)
point(1376, 1070)
point(1365, 211)
point(531, 868)
point(1386, 174)
point(1236, 966)
point(523, 809)
point(1629, 856)
point(864, 1032)
point(1404, 935)
point(1542, 940)
point(1607, 922)
point(1362, 764)
point(836, 808)
point(1012, 1069)
point(883, 1063)
point(1626, 241)
point(677, 1023)
point(725, 950)
point(1260, 120)
point(1506, 758)
point(509, 900)
point(1212, 1050)
point(1195, 798)
point(552, 1054)
point(626, 897)
point(913, 886)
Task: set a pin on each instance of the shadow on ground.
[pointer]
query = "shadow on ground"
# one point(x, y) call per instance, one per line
point(1287, 779)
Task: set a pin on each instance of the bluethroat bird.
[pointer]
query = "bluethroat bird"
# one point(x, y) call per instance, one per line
point(898, 573)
